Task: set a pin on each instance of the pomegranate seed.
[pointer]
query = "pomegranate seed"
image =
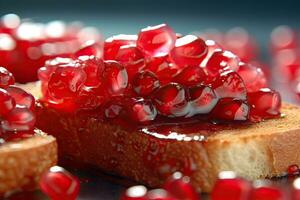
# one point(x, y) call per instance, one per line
point(293, 170)
point(20, 119)
point(202, 99)
point(66, 82)
point(44, 73)
point(113, 44)
point(220, 61)
point(212, 46)
point(229, 187)
point(7, 103)
point(170, 100)
point(188, 51)
point(231, 109)
point(252, 76)
point(179, 187)
point(21, 97)
point(137, 192)
point(6, 78)
point(59, 184)
point(90, 97)
point(229, 84)
point(145, 83)
point(162, 69)
point(115, 77)
point(158, 194)
point(191, 76)
point(156, 41)
point(142, 110)
point(132, 58)
point(90, 48)
point(296, 189)
point(93, 68)
point(265, 104)
point(267, 192)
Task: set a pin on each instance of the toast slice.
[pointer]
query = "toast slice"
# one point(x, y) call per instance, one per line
point(23, 162)
point(254, 151)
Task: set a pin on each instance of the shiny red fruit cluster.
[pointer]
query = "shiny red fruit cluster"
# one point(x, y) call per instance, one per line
point(25, 46)
point(159, 73)
point(178, 187)
point(59, 184)
point(227, 187)
point(17, 118)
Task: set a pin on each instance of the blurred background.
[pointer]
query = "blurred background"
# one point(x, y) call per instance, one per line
point(128, 16)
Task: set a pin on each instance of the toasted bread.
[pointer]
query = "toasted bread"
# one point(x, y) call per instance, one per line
point(260, 150)
point(23, 162)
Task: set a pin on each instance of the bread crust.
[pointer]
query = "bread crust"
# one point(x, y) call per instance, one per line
point(23, 162)
point(261, 150)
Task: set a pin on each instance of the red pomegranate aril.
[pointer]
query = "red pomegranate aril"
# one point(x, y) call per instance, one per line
point(20, 119)
point(293, 170)
point(230, 187)
point(264, 103)
point(132, 58)
point(212, 46)
point(158, 194)
point(164, 70)
point(191, 76)
point(189, 50)
point(90, 97)
point(229, 109)
point(295, 193)
point(145, 83)
point(93, 68)
point(137, 192)
point(59, 184)
point(66, 82)
point(267, 192)
point(202, 99)
point(21, 97)
point(170, 100)
point(179, 187)
point(113, 44)
point(7, 103)
point(141, 110)
point(6, 78)
point(220, 61)
point(229, 84)
point(115, 78)
point(90, 48)
point(156, 41)
point(253, 77)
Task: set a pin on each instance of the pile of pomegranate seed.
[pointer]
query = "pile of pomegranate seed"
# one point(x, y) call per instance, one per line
point(25, 45)
point(228, 186)
point(59, 184)
point(17, 118)
point(159, 73)
point(178, 187)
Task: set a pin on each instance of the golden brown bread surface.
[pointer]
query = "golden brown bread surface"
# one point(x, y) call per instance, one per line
point(260, 150)
point(23, 162)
